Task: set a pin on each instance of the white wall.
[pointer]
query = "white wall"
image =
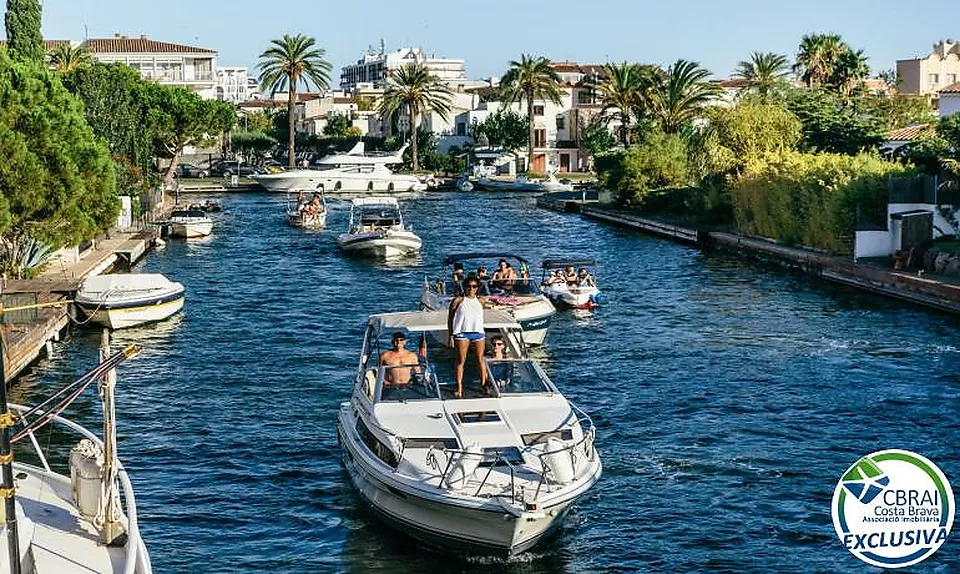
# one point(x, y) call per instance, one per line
point(872, 244)
point(949, 104)
point(941, 226)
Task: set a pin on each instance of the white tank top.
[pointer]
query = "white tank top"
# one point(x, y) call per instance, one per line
point(468, 318)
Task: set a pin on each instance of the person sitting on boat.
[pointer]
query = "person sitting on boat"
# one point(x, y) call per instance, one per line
point(504, 277)
point(584, 279)
point(465, 325)
point(498, 348)
point(406, 361)
point(457, 279)
point(484, 278)
point(570, 276)
point(499, 372)
point(555, 279)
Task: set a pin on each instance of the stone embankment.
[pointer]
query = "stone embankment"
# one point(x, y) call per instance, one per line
point(938, 288)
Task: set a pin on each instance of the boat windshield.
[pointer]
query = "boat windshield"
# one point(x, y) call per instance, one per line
point(419, 383)
point(513, 376)
point(502, 277)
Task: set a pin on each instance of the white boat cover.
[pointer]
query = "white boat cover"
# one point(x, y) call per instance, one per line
point(376, 200)
point(427, 321)
point(112, 287)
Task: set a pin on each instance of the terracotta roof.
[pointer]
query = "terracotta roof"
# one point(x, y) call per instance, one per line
point(568, 67)
point(139, 45)
point(910, 133)
point(261, 104)
point(951, 89)
point(734, 83)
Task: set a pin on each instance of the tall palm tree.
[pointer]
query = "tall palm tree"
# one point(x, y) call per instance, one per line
point(763, 71)
point(849, 72)
point(288, 62)
point(678, 94)
point(532, 78)
point(65, 58)
point(413, 87)
point(622, 89)
point(817, 58)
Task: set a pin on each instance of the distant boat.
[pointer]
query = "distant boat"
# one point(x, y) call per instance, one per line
point(581, 293)
point(125, 300)
point(188, 223)
point(303, 213)
point(351, 172)
point(376, 229)
point(521, 183)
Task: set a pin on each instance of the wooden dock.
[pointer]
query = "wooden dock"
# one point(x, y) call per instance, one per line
point(644, 224)
point(25, 335)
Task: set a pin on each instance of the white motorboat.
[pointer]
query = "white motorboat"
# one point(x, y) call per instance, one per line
point(125, 300)
point(351, 172)
point(376, 229)
point(190, 223)
point(73, 522)
point(521, 183)
point(576, 291)
point(521, 297)
point(493, 472)
point(310, 214)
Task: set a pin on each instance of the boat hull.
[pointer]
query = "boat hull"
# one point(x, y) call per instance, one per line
point(315, 221)
point(579, 298)
point(487, 528)
point(191, 230)
point(339, 183)
point(133, 313)
point(379, 245)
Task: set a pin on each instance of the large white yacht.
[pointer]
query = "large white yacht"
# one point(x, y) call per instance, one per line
point(521, 297)
point(351, 172)
point(493, 472)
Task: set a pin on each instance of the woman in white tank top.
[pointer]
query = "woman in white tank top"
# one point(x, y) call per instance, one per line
point(465, 325)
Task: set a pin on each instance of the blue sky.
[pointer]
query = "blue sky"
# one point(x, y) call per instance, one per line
point(489, 34)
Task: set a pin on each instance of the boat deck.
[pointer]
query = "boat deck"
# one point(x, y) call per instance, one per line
point(62, 541)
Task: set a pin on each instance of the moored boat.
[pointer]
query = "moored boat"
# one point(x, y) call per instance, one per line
point(521, 183)
point(520, 296)
point(493, 472)
point(376, 229)
point(189, 223)
point(125, 300)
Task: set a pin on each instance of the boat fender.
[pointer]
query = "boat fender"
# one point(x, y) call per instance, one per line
point(463, 466)
point(558, 461)
point(86, 468)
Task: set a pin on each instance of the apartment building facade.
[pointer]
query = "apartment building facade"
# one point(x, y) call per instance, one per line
point(929, 74)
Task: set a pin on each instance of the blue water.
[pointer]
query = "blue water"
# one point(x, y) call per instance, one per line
point(729, 398)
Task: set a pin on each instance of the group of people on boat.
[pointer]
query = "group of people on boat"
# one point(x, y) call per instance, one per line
point(312, 207)
point(504, 278)
point(570, 278)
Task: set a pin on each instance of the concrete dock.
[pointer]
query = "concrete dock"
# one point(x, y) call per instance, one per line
point(27, 334)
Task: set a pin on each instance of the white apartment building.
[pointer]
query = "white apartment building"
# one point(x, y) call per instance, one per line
point(315, 110)
point(932, 73)
point(375, 67)
point(167, 63)
point(232, 84)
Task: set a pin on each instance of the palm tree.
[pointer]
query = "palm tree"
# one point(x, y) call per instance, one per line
point(763, 71)
point(532, 78)
point(849, 72)
point(622, 90)
point(288, 62)
point(413, 87)
point(818, 57)
point(679, 93)
point(65, 58)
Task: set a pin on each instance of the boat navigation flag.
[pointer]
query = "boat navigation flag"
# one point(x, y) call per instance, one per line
point(422, 351)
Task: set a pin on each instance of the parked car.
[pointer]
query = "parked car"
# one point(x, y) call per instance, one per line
point(227, 168)
point(190, 170)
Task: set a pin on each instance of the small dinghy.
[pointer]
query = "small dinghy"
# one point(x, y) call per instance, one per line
point(126, 300)
point(310, 214)
point(571, 283)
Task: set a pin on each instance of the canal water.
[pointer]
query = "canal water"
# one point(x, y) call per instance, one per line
point(729, 398)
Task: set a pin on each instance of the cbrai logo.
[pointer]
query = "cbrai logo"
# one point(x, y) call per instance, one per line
point(893, 508)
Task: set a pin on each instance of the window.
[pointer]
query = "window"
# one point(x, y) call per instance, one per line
point(461, 129)
point(951, 78)
point(540, 138)
point(586, 97)
point(933, 79)
point(561, 122)
point(538, 110)
point(379, 449)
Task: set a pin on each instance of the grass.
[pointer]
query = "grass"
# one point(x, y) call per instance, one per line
point(950, 246)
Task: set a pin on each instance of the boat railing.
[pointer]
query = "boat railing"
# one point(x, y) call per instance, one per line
point(135, 549)
point(584, 447)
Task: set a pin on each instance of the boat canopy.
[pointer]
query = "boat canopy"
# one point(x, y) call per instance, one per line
point(482, 255)
point(428, 321)
point(561, 263)
point(376, 200)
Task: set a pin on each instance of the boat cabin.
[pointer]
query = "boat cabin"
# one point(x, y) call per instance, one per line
point(369, 214)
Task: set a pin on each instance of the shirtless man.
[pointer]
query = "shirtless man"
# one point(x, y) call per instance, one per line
point(399, 376)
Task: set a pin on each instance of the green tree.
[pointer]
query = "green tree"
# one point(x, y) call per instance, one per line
point(531, 78)
point(755, 128)
point(830, 125)
point(949, 130)
point(24, 39)
point(622, 91)
point(850, 71)
point(897, 111)
point(286, 64)
point(817, 57)
point(66, 58)
point(257, 121)
point(659, 161)
point(57, 182)
point(252, 144)
point(594, 136)
point(679, 94)
point(115, 105)
point(337, 125)
point(180, 118)
point(504, 128)
point(763, 71)
point(414, 88)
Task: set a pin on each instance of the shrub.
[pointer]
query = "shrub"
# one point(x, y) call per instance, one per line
point(811, 199)
point(660, 161)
